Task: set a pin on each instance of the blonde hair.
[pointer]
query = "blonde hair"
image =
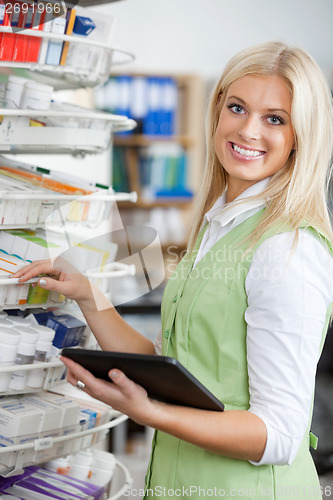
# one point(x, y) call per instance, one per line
point(298, 191)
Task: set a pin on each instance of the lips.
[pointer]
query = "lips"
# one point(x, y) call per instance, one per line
point(244, 152)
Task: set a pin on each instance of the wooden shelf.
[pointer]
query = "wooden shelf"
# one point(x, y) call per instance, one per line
point(140, 140)
point(165, 202)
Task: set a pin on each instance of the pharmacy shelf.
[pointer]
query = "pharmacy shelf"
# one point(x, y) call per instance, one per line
point(66, 77)
point(124, 491)
point(91, 211)
point(50, 442)
point(54, 370)
point(111, 271)
point(16, 136)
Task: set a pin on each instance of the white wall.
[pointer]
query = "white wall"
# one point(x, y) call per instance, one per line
point(201, 35)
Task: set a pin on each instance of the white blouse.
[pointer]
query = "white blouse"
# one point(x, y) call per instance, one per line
point(288, 290)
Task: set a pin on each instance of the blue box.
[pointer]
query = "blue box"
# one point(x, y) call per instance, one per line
point(68, 330)
point(83, 26)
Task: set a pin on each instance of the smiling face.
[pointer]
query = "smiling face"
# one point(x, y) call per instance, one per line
point(254, 136)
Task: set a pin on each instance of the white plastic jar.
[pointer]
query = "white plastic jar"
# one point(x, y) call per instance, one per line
point(36, 96)
point(36, 377)
point(18, 320)
point(9, 341)
point(25, 356)
point(14, 91)
point(28, 335)
point(44, 332)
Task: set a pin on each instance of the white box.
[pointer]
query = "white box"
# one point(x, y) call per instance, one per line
point(19, 424)
point(50, 425)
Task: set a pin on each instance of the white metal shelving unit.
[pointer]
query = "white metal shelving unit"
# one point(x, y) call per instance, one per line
point(64, 77)
point(18, 138)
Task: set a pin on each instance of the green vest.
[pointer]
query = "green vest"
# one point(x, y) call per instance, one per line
point(203, 326)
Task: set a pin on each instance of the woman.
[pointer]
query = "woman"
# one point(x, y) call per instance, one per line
point(247, 308)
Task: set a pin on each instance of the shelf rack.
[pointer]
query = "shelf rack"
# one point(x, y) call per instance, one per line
point(76, 141)
point(49, 442)
point(62, 77)
point(104, 198)
point(19, 138)
point(112, 270)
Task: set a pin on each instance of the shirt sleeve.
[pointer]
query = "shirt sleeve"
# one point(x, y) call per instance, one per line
point(158, 344)
point(289, 291)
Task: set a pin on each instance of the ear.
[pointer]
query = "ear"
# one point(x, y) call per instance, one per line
point(219, 97)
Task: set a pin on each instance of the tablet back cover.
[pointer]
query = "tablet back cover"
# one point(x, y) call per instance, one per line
point(164, 378)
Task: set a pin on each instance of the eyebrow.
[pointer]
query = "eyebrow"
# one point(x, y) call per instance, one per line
point(271, 110)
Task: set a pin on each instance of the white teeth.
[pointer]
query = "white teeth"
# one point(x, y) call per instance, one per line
point(246, 152)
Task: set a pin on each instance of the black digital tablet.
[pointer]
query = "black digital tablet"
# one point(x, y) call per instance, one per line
point(164, 378)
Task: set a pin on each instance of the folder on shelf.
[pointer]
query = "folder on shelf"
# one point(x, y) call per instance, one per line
point(168, 106)
point(21, 41)
point(34, 46)
point(138, 101)
point(45, 26)
point(54, 49)
point(7, 39)
point(150, 124)
point(70, 19)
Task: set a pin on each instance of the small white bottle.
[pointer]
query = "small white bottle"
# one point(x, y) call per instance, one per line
point(44, 332)
point(80, 465)
point(25, 356)
point(36, 377)
point(103, 467)
point(9, 341)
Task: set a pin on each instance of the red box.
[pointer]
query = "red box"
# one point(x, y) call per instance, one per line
point(7, 39)
point(22, 41)
point(35, 42)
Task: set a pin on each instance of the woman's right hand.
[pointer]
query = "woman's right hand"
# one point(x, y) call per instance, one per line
point(58, 275)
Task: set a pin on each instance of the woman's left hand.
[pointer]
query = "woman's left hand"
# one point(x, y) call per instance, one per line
point(122, 395)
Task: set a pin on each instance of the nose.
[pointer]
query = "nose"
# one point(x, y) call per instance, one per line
point(250, 129)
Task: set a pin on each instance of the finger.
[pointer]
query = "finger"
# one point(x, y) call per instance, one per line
point(34, 269)
point(52, 284)
point(77, 372)
point(126, 385)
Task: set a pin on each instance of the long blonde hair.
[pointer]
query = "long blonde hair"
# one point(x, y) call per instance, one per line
point(298, 191)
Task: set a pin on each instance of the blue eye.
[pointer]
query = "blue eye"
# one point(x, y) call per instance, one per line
point(275, 120)
point(236, 108)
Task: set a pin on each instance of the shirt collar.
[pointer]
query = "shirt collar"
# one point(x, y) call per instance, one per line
point(224, 214)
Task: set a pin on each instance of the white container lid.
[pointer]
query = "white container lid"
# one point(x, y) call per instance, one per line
point(9, 336)
point(39, 87)
point(26, 348)
point(18, 80)
point(81, 458)
point(43, 346)
point(104, 460)
point(46, 333)
point(28, 335)
point(4, 322)
point(18, 320)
